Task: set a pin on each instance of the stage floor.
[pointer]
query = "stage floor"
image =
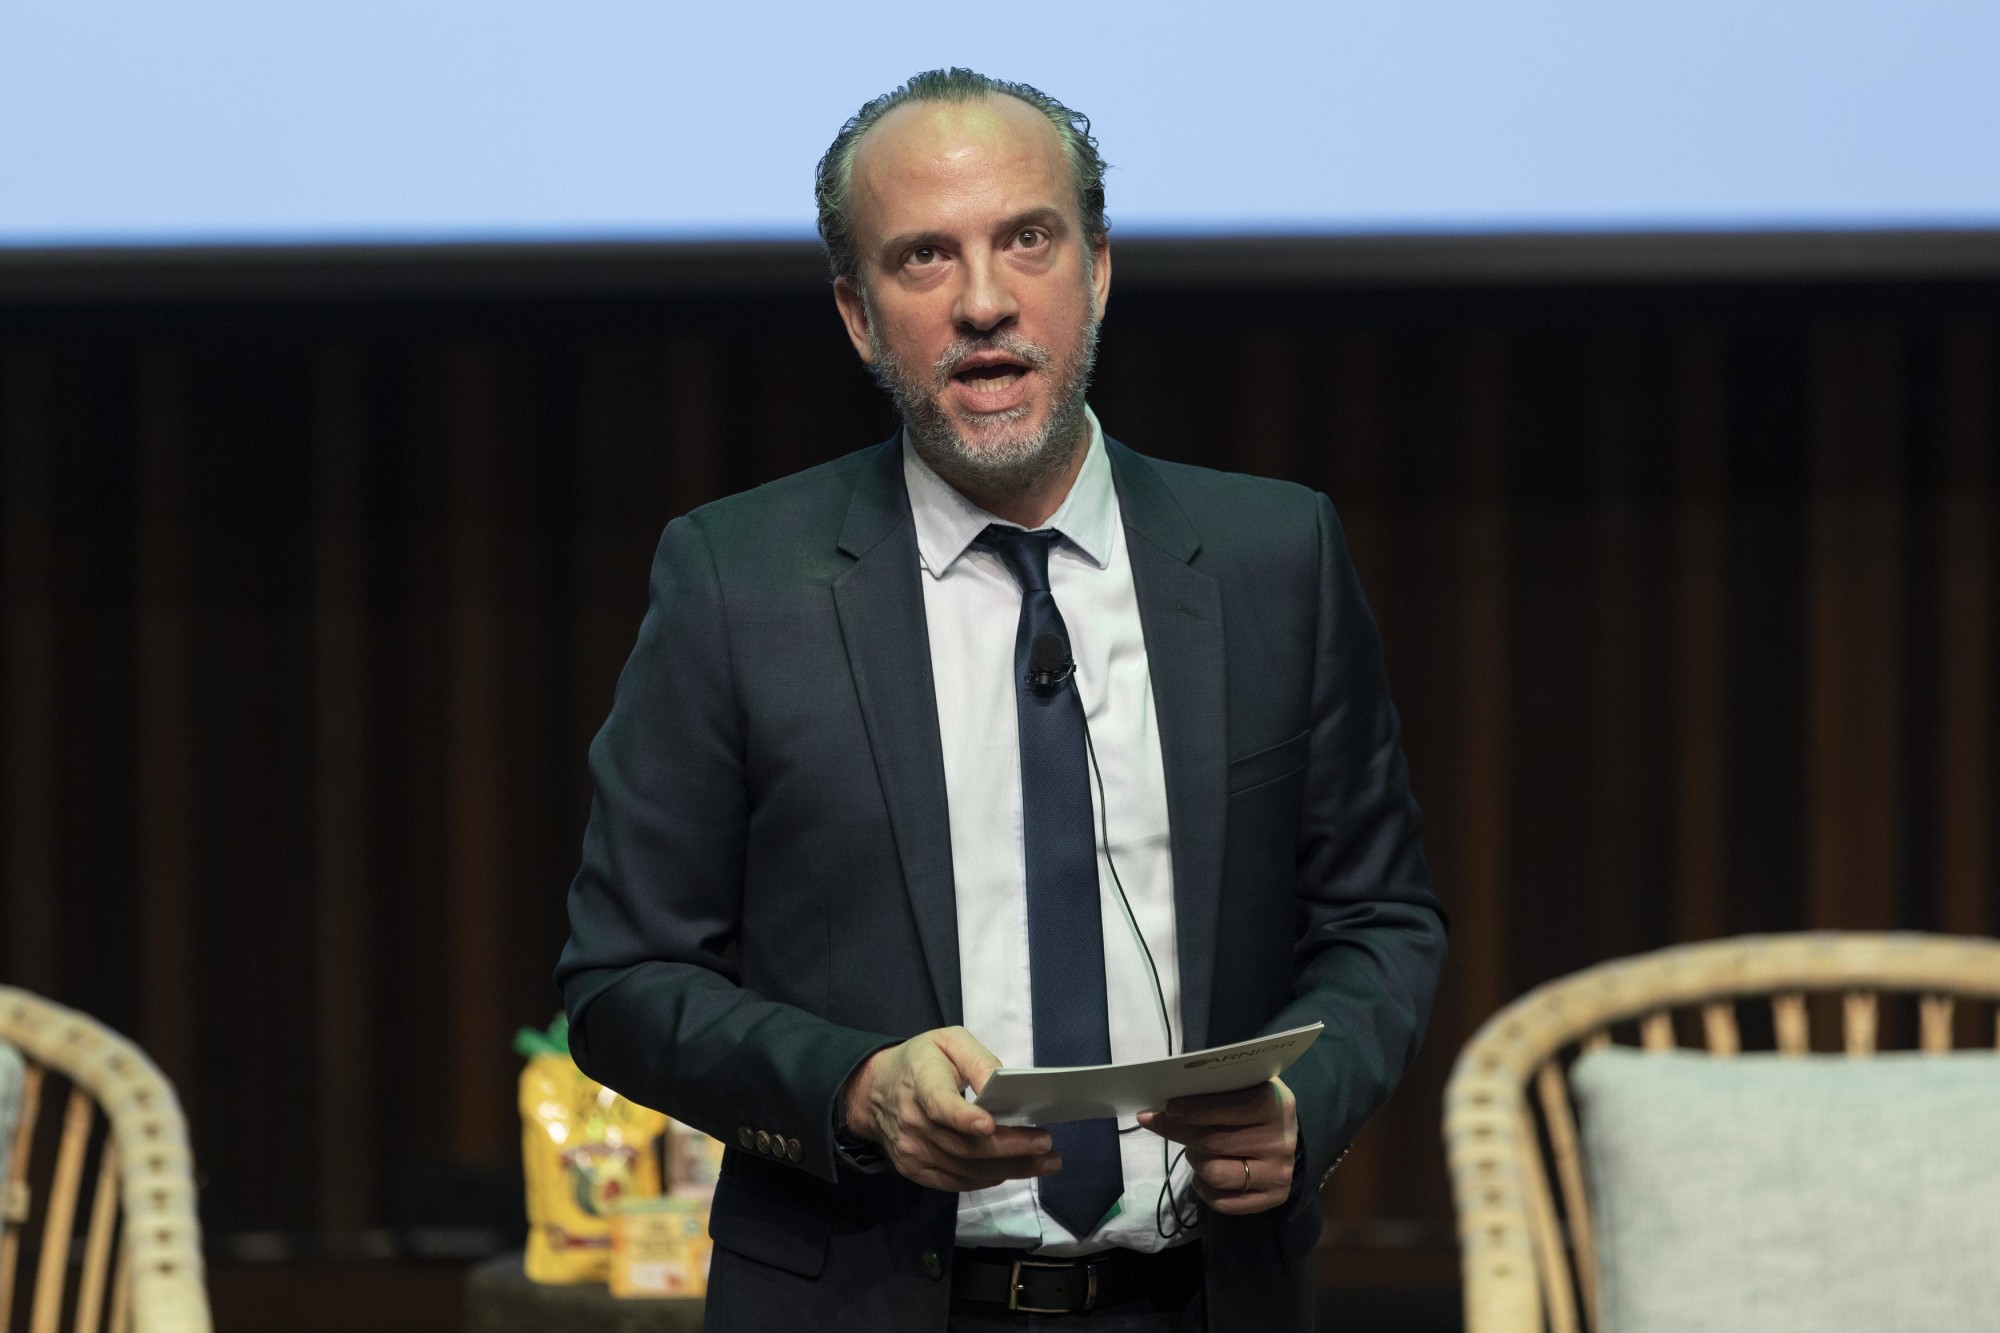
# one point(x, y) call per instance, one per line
point(1361, 1291)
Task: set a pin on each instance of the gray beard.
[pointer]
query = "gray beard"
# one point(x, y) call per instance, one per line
point(1009, 462)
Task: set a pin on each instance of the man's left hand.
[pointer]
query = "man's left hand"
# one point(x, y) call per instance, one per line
point(1241, 1145)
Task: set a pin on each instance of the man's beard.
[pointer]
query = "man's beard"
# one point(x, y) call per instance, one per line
point(1010, 456)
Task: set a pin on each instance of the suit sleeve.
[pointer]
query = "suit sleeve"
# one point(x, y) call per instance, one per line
point(649, 975)
point(1371, 932)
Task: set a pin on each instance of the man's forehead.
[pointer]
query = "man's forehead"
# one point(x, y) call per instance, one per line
point(958, 146)
point(995, 121)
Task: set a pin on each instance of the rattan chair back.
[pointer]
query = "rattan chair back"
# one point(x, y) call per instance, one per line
point(119, 1154)
point(1528, 1252)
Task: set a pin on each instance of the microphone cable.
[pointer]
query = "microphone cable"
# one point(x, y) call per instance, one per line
point(1170, 1206)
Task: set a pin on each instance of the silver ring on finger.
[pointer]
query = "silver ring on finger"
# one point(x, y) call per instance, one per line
point(1244, 1188)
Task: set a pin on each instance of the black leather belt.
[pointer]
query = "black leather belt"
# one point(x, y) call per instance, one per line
point(1033, 1284)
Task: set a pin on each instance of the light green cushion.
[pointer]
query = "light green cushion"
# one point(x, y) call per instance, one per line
point(12, 1071)
point(1763, 1194)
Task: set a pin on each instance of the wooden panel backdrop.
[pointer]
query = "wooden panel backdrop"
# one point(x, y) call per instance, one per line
point(310, 612)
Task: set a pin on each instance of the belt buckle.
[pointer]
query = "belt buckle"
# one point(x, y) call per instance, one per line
point(1014, 1287)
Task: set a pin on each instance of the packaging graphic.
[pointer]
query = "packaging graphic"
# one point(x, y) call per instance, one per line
point(694, 1160)
point(586, 1151)
point(660, 1247)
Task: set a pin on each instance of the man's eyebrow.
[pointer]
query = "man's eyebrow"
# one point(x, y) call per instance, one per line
point(1044, 216)
point(1049, 218)
point(910, 240)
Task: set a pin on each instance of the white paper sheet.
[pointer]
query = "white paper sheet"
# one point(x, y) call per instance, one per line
point(1091, 1092)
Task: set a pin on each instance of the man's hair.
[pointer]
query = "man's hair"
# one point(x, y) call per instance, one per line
point(834, 181)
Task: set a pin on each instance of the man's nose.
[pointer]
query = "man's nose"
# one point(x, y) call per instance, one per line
point(985, 300)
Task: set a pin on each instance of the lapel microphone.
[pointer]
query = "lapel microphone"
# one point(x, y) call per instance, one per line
point(1049, 664)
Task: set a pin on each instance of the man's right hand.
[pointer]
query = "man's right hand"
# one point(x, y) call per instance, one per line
point(910, 1099)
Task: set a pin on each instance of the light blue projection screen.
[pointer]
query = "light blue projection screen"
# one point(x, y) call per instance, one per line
point(244, 121)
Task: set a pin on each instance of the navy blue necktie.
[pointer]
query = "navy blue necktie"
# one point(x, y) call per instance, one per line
point(1065, 933)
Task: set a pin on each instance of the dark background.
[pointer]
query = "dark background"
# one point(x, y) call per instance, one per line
point(319, 573)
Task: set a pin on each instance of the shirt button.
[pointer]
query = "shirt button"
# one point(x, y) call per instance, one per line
point(745, 1137)
point(794, 1149)
point(933, 1266)
point(763, 1141)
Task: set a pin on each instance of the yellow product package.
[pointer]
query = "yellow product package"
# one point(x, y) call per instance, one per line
point(660, 1247)
point(585, 1150)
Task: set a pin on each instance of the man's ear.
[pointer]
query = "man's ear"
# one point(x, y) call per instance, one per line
point(854, 314)
point(1100, 274)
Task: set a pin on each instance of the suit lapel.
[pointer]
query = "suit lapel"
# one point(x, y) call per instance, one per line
point(1180, 612)
point(880, 604)
point(881, 607)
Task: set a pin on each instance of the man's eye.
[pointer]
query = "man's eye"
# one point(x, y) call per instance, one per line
point(923, 254)
point(1032, 236)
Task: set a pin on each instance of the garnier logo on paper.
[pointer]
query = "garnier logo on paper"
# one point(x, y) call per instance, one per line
point(1231, 1057)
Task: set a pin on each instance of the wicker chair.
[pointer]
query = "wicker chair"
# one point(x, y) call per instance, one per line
point(1509, 1093)
point(147, 1277)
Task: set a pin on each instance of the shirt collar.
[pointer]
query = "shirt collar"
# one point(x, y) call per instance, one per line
point(947, 522)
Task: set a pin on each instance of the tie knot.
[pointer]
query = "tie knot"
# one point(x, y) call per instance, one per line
point(1026, 554)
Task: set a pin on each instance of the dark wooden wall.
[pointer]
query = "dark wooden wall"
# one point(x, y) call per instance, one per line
point(1689, 598)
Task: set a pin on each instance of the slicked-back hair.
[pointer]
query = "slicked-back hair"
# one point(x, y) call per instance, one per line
point(833, 183)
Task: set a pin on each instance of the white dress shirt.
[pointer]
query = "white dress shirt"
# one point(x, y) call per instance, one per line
point(973, 606)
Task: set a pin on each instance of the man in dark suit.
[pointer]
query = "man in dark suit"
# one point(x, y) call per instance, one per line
point(998, 743)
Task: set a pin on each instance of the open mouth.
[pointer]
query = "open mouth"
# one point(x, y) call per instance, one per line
point(990, 377)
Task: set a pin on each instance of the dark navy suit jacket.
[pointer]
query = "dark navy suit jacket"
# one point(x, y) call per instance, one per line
point(766, 890)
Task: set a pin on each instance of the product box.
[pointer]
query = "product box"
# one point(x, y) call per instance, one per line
point(694, 1161)
point(660, 1247)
